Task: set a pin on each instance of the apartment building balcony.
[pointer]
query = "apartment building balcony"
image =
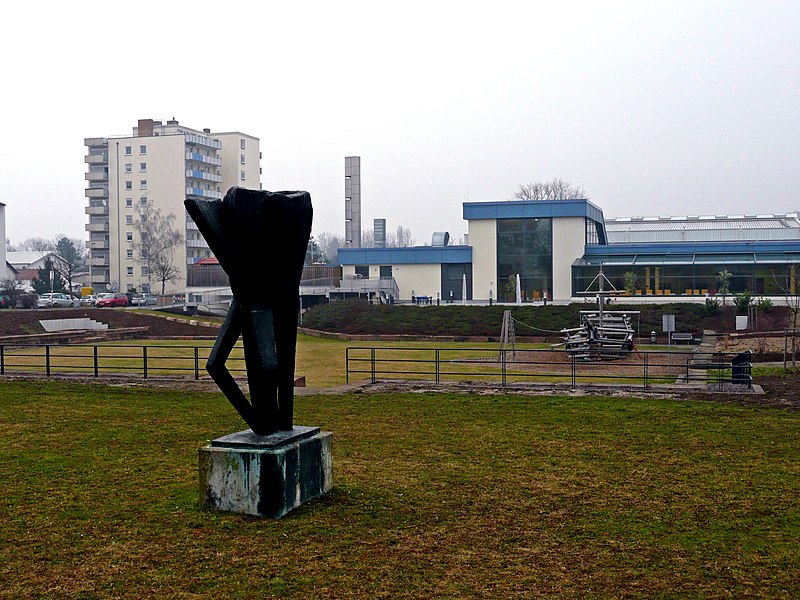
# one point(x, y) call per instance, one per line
point(193, 191)
point(96, 159)
point(196, 244)
point(97, 262)
point(96, 210)
point(195, 174)
point(202, 140)
point(96, 227)
point(101, 192)
point(191, 225)
point(97, 244)
point(97, 141)
point(90, 176)
point(197, 157)
point(99, 280)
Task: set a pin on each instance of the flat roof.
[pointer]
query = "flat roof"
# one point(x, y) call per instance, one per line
point(532, 209)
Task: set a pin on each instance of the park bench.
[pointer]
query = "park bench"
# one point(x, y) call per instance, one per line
point(686, 338)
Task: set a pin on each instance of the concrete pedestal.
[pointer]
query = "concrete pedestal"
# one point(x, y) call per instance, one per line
point(266, 476)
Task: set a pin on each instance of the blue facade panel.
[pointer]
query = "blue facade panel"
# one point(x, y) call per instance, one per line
point(417, 255)
point(532, 209)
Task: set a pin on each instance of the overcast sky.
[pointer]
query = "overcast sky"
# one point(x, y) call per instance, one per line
point(655, 108)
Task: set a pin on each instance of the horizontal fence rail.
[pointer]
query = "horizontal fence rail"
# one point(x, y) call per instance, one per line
point(546, 366)
point(107, 360)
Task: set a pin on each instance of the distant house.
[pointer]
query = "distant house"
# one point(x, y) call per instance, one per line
point(33, 259)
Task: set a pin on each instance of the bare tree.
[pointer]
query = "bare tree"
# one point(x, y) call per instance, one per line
point(401, 239)
point(13, 289)
point(154, 244)
point(328, 244)
point(558, 189)
point(36, 244)
point(790, 287)
point(367, 238)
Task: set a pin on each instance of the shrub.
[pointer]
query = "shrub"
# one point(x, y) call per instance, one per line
point(27, 301)
point(764, 304)
point(742, 301)
point(711, 308)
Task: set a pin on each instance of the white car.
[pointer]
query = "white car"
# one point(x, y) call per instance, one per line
point(57, 300)
point(143, 300)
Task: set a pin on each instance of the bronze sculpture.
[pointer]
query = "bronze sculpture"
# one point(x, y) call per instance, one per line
point(260, 239)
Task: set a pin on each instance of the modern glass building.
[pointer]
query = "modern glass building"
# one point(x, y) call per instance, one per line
point(557, 249)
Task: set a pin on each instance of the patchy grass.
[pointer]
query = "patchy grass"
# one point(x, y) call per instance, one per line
point(435, 495)
point(321, 361)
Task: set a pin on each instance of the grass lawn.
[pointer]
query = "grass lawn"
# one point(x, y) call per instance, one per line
point(434, 495)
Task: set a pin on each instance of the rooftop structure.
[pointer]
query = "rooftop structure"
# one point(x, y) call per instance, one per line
point(704, 228)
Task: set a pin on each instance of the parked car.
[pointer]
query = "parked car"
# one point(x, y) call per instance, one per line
point(118, 299)
point(143, 300)
point(89, 300)
point(57, 300)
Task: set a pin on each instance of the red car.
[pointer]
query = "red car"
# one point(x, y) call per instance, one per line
point(112, 300)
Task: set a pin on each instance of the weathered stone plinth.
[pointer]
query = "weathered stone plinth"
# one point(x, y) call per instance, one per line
point(266, 476)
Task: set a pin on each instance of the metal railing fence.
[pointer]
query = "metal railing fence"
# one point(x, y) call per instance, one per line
point(147, 361)
point(505, 366)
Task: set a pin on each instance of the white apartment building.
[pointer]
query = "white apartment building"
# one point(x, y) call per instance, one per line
point(159, 165)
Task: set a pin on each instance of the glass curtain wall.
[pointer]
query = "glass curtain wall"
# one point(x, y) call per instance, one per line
point(524, 247)
point(690, 279)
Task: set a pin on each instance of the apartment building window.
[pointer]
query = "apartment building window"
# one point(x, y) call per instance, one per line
point(129, 219)
point(130, 270)
point(145, 271)
point(143, 201)
point(242, 158)
point(128, 167)
point(142, 149)
point(129, 236)
point(241, 142)
point(142, 167)
point(128, 185)
point(143, 184)
point(129, 202)
point(243, 176)
point(128, 253)
point(128, 150)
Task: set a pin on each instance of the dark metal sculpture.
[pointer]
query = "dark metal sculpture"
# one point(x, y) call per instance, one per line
point(260, 239)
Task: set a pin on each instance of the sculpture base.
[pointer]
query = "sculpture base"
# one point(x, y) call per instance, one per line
point(265, 475)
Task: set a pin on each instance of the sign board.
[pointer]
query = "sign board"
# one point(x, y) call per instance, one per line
point(668, 323)
point(741, 322)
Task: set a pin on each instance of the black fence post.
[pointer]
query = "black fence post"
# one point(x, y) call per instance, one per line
point(144, 360)
point(574, 370)
point(347, 365)
point(47, 359)
point(644, 362)
point(2, 359)
point(372, 363)
point(196, 363)
point(503, 378)
point(96, 363)
point(437, 365)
